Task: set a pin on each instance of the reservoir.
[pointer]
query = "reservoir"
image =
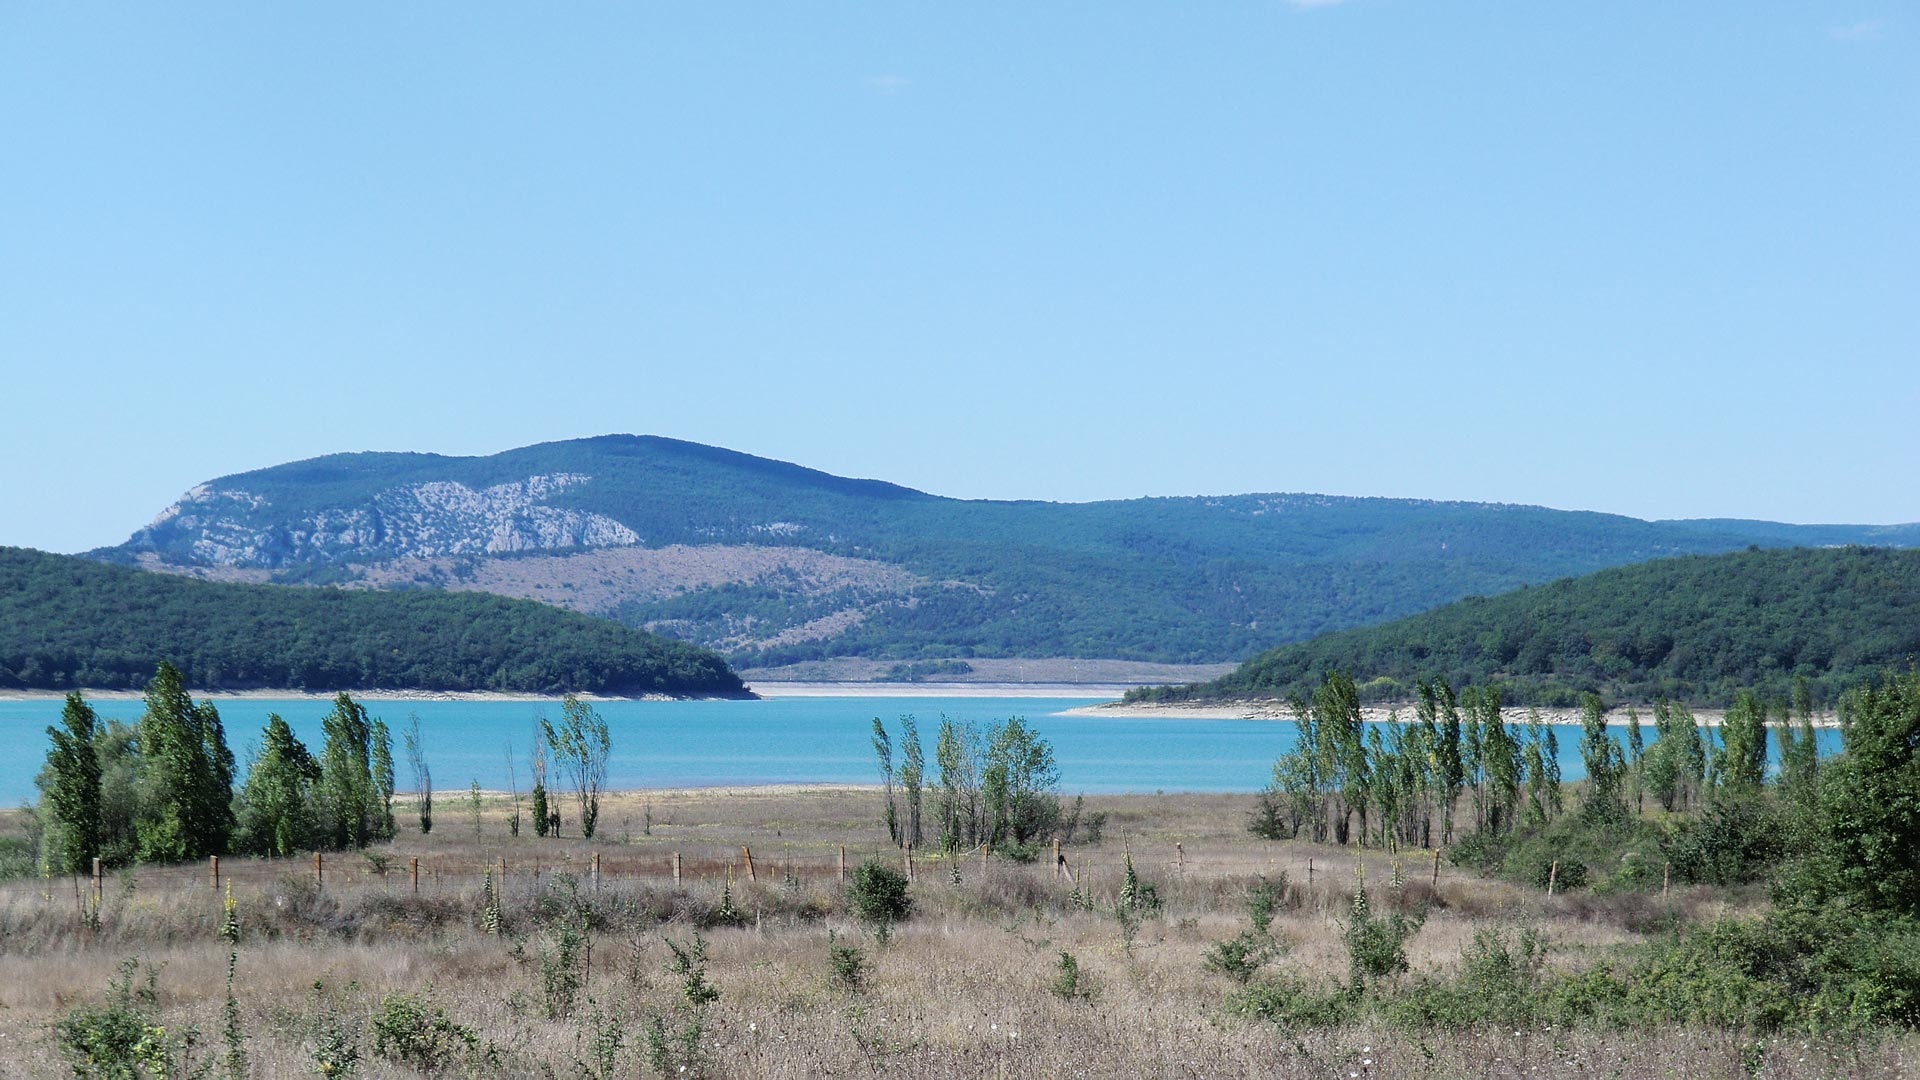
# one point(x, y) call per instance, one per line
point(781, 740)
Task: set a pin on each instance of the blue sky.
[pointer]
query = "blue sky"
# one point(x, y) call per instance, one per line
point(1655, 259)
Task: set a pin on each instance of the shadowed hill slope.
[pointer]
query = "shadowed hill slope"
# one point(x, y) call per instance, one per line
point(1698, 627)
point(67, 622)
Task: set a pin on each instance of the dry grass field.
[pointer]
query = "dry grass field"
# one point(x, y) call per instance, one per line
point(970, 985)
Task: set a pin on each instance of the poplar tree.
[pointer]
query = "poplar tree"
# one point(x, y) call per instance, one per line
point(277, 812)
point(1637, 759)
point(1536, 770)
point(381, 760)
point(883, 749)
point(422, 774)
point(185, 804)
point(1504, 763)
point(581, 747)
point(348, 797)
point(1604, 764)
point(72, 788)
point(1743, 736)
point(537, 764)
point(913, 768)
point(955, 752)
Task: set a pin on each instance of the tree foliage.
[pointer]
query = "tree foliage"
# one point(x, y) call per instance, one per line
point(72, 789)
point(186, 774)
point(68, 623)
point(1696, 628)
point(581, 746)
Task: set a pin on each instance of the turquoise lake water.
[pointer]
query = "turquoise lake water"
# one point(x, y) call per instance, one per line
point(776, 741)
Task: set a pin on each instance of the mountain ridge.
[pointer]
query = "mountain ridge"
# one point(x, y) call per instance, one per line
point(1164, 579)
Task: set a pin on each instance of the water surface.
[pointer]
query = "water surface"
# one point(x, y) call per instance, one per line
point(776, 741)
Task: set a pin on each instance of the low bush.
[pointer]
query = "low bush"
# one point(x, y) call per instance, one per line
point(410, 1031)
point(1377, 944)
point(878, 895)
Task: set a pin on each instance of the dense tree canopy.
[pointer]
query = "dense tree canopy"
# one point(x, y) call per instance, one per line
point(1698, 628)
point(67, 622)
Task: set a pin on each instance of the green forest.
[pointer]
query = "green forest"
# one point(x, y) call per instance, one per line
point(68, 622)
point(1696, 628)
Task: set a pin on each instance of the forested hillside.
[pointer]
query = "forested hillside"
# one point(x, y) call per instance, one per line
point(67, 622)
point(773, 563)
point(1697, 628)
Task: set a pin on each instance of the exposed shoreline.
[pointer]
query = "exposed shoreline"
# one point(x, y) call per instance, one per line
point(764, 690)
point(328, 695)
point(1268, 709)
point(938, 689)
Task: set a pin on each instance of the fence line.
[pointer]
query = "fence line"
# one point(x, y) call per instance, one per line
point(415, 874)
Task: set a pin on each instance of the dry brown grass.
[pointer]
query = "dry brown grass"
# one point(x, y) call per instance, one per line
point(963, 989)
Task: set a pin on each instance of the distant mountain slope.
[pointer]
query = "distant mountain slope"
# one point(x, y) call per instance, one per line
point(67, 622)
point(1699, 627)
point(734, 543)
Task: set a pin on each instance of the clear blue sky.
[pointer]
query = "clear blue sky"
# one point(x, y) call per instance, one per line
point(1656, 259)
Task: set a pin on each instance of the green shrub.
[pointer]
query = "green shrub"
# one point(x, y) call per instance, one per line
point(16, 858)
point(1564, 875)
point(1263, 899)
point(121, 1038)
point(408, 1030)
point(1292, 1003)
point(1482, 851)
point(673, 1041)
point(1268, 820)
point(1734, 841)
point(1067, 983)
point(1137, 897)
point(846, 965)
point(1377, 944)
point(1239, 957)
point(878, 896)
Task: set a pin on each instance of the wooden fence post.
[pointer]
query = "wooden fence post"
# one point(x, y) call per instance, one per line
point(746, 853)
point(676, 868)
point(1059, 864)
point(1665, 869)
point(99, 884)
point(840, 868)
point(1180, 856)
point(908, 852)
point(213, 871)
point(1309, 873)
point(319, 871)
point(596, 871)
point(985, 850)
point(1436, 868)
point(1553, 873)
point(414, 871)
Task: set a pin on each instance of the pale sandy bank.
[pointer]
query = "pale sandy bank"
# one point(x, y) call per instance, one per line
point(1276, 710)
point(936, 689)
point(316, 695)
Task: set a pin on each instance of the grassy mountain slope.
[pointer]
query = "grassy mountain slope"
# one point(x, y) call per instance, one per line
point(1696, 627)
point(1166, 579)
point(67, 622)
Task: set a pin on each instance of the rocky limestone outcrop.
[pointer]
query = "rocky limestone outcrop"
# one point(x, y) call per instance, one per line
point(235, 527)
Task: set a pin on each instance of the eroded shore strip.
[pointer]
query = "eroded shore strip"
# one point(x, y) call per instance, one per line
point(1278, 710)
point(1079, 691)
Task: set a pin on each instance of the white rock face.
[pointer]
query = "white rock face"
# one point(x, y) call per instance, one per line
point(431, 520)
